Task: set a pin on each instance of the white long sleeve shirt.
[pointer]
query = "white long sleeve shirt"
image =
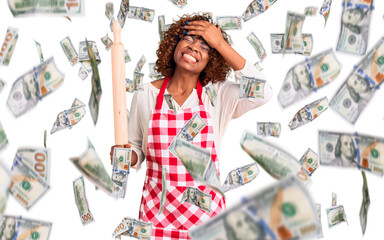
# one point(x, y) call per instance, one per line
point(227, 106)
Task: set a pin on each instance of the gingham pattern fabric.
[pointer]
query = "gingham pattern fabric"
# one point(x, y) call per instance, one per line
point(177, 218)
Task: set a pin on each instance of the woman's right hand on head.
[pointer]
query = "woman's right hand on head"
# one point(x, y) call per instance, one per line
point(128, 145)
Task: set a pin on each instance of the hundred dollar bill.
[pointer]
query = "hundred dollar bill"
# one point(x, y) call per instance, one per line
point(153, 74)
point(256, 8)
point(69, 50)
point(277, 44)
point(170, 102)
point(189, 131)
point(161, 24)
point(34, 85)
point(352, 151)
point(365, 204)
point(198, 198)
point(308, 76)
point(122, 15)
point(334, 199)
point(36, 158)
point(91, 167)
point(39, 51)
point(26, 185)
point(268, 129)
point(81, 201)
point(198, 162)
point(23, 228)
point(96, 92)
point(109, 10)
point(179, 3)
point(256, 44)
point(356, 92)
point(3, 137)
point(138, 81)
point(284, 210)
point(310, 11)
point(163, 197)
point(336, 215)
point(310, 161)
point(309, 113)
point(140, 64)
point(84, 56)
point(83, 73)
point(325, 10)
point(129, 85)
point(229, 23)
point(211, 92)
point(42, 7)
point(134, 228)
point(355, 23)
point(141, 13)
point(8, 46)
point(70, 117)
point(258, 66)
point(240, 176)
point(293, 40)
point(127, 58)
point(251, 88)
point(107, 42)
point(320, 228)
point(5, 180)
point(121, 165)
point(274, 160)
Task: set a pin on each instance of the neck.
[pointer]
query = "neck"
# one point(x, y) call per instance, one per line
point(182, 82)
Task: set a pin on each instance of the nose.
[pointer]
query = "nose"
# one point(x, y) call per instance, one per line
point(193, 46)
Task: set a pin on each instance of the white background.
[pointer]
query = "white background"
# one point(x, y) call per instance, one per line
point(139, 37)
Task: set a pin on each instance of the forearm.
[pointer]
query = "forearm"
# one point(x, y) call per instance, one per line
point(234, 59)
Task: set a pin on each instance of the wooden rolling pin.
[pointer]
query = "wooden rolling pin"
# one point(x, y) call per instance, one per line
point(119, 92)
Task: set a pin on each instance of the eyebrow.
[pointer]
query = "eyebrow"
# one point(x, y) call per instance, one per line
point(202, 40)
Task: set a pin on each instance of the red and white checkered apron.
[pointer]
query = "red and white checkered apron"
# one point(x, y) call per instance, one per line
point(177, 218)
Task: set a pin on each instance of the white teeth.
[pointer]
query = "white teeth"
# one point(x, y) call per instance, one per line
point(189, 57)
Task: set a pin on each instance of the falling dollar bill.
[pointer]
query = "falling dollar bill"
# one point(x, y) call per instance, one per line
point(211, 93)
point(310, 161)
point(141, 13)
point(42, 7)
point(258, 66)
point(268, 129)
point(26, 185)
point(293, 40)
point(356, 92)
point(198, 198)
point(5, 180)
point(84, 57)
point(134, 228)
point(284, 210)
point(274, 160)
point(229, 23)
point(163, 197)
point(170, 102)
point(138, 81)
point(23, 228)
point(122, 15)
point(365, 204)
point(36, 158)
point(69, 50)
point(325, 10)
point(3, 137)
point(140, 64)
point(310, 11)
point(81, 201)
point(127, 58)
point(308, 76)
point(107, 42)
point(277, 44)
point(91, 167)
point(121, 165)
point(352, 151)
point(336, 215)
point(8, 46)
point(256, 44)
point(70, 117)
point(309, 113)
point(153, 74)
point(256, 8)
point(251, 88)
point(162, 26)
point(240, 176)
point(39, 51)
point(320, 228)
point(34, 85)
point(334, 199)
point(355, 23)
point(179, 3)
point(109, 10)
point(83, 73)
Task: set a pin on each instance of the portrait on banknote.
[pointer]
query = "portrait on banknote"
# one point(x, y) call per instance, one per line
point(7, 229)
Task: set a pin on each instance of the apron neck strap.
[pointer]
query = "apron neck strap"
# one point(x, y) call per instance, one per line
point(160, 97)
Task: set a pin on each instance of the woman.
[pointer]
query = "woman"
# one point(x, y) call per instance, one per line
point(193, 53)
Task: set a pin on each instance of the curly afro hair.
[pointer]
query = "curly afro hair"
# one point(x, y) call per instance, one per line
point(217, 68)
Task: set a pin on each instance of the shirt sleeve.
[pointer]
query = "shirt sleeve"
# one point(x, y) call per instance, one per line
point(233, 107)
point(135, 131)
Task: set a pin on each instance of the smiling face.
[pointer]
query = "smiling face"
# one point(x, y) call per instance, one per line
point(191, 54)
